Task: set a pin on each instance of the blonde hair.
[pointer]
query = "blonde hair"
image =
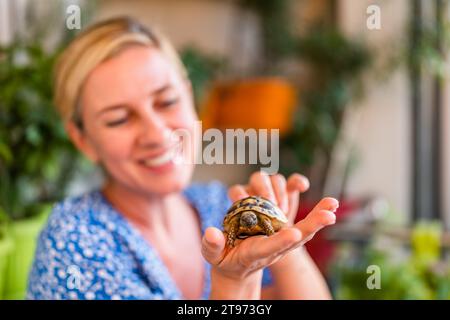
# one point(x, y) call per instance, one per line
point(98, 43)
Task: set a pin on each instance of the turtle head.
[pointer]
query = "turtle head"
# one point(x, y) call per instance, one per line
point(248, 219)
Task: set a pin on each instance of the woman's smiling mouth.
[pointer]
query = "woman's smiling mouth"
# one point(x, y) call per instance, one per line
point(165, 161)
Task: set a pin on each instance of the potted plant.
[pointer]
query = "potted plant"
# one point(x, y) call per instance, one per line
point(260, 103)
point(420, 274)
point(202, 68)
point(36, 158)
point(334, 66)
point(37, 161)
point(5, 249)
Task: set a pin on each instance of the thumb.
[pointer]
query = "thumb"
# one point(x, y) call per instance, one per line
point(213, 245)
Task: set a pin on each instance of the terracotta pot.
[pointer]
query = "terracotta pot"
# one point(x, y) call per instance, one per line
point(263, 103)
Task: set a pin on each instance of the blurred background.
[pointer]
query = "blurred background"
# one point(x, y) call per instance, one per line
point(358, 89)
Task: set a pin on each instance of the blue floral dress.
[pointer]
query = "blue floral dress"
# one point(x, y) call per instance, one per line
point(88, 250)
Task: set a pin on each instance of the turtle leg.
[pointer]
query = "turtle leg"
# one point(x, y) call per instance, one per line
point(267, 226)
point(231, 236)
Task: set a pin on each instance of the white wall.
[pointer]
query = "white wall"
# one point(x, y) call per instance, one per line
point(5, 29)
point(380, 125)
point(215, 27)
point(12, 19)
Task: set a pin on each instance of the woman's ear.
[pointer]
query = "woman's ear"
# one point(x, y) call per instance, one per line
point(79, 139)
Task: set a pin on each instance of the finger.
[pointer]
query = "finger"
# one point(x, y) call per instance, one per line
point(321, 216)
point(260, 184)
point(237, 192)
point(271, 247)
point(213, 245)
point(279, 188)
point(296, 184)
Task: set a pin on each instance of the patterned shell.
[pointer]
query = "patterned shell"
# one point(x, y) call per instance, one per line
point(257, 205)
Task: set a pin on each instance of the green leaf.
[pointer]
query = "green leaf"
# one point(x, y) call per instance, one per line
point(5, 153)
point(33, 135)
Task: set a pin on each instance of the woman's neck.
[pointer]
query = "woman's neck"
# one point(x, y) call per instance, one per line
point(143, 210)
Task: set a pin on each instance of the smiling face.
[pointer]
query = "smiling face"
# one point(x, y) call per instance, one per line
point(131, 104)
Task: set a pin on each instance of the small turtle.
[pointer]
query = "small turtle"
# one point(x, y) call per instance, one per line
point(252, 216)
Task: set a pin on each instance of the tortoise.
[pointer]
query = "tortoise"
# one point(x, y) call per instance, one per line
point(251, 216)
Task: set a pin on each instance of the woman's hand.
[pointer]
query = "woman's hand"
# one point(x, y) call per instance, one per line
point(254, 253)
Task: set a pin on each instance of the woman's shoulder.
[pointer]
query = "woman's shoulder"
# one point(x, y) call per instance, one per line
point(75, 211)
point(75, 226)
point(77, 203)
point(72, 243)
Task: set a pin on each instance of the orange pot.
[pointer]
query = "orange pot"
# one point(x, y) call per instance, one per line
point(264, 103)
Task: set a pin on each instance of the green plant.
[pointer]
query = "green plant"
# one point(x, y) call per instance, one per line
point(201, 68)
point(36, 158)
point(431, 46)
point(3, 223)
point(279, 40)
point(337, 65)
point(418, 276)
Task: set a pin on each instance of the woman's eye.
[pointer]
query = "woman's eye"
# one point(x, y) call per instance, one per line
point(115, 123)
point(168, 103)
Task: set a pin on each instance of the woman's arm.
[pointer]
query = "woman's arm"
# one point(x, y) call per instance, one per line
point(224, 288)
point(296, 277)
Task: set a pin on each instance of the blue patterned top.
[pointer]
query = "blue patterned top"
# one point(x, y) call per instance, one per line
point(88, 250)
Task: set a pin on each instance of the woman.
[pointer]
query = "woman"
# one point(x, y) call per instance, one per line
point(122, 91)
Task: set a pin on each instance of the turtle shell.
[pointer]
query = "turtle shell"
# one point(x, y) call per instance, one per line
point(258, 205)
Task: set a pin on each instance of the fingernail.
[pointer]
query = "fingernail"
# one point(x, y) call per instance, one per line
point(334, 205)
point(331, 218)
point(305, 182)
point(209, 243)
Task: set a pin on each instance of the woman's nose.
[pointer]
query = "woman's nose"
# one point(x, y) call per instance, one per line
point(154, 131)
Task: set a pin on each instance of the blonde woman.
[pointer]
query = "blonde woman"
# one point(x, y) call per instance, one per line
point(147, 233)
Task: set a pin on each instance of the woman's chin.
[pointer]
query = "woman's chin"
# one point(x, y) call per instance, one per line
point(172, 182)
point(162, 180)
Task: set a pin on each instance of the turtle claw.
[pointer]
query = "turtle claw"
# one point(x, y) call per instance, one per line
point(267, 227)
point(230, 240)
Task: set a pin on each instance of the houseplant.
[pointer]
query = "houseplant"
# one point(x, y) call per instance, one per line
point(414, 273)
point(202, 69)
point(37, 161)
point(36, 158)
point(334, 66)
point(5, 249)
